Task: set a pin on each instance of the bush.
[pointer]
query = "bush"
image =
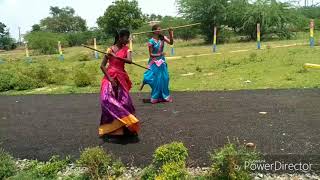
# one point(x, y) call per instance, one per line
point(52, 167)
point(168, 163)
point(7, 165)
point(174, 152)
point(58, 76)
point(78, 38)
point(5, 79)
point(173, 171)
point(83, 57)
point(99, 164)
point(149, 173)
point(45, 42)
point(7, 43)
point(40, 73)
point(23, 82)
point(229, 162)
point(82, 79)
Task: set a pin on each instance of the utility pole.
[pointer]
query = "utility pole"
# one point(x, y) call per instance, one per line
point(19, 36)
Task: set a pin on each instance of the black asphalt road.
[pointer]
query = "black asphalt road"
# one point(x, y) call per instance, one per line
point(39, 126)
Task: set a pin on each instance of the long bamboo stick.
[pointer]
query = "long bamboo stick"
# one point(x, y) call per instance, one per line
point(177, 27)
point(106, 53)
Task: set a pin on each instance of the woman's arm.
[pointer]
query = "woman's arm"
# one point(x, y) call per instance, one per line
point(128, 59)
point(105, 71)
point(170, 40)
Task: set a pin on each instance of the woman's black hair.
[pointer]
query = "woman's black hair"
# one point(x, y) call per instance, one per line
point(155, 27)
point(119, 34)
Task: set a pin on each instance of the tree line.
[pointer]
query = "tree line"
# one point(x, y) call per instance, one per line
point(232, 18)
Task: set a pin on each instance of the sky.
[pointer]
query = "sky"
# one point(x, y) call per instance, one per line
point(25, 13)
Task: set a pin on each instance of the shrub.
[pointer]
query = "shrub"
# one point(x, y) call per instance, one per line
point(7, 43)
point(174, 152)
point(5, 79)
point(52, 167)
point(149, 173)
point(78, 38)
point(168, 163)
point(39, 72)
point(82, 78)
point(7, 165)
point(45, 42)
point(23, 82)
point(58, 76)
point(173, 171)
point(83, 57)
point(99, 163)
point(229, 162)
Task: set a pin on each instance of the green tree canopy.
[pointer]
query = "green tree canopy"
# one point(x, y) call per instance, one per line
point(62, 20)
point(121, 14)
point(209, 13)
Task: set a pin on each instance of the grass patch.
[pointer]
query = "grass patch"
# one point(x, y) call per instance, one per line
point(273, 67)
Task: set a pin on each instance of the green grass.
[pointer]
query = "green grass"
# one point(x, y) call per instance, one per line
point(272, 67)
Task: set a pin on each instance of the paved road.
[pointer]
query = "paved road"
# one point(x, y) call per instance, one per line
point(39, 126)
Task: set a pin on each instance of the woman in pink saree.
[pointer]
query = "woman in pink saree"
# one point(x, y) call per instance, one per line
point(117, 116)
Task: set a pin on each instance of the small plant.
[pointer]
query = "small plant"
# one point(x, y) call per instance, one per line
point(173, 171)
point(168, 163)
point(174, 152)
point(230, 162)
point(83, 57)
point(58, 76)
point(5, 79)
point(149, 173)
point(290, 61)
point(40, 73)
point(302, 70)
point(253, 57)
point(7, 165)
point(198, 69)
point(52, 167)
point(288, 77)
point(99, 164)
point(22, 82)
point(82, 79)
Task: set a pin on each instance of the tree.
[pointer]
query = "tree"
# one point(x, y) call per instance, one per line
point(63, 20)
point(2, 29)
point(209, 13)
point(6, 42)
point(121, 14)
point(274, 18)
point(45, 42)
point(36, 27)
point(186, 33)
point(236, 10)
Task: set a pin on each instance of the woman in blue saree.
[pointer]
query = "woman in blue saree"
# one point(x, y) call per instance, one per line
point(158, 77)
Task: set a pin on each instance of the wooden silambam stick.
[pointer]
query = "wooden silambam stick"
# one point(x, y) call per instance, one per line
point(178, 27)
point(107, 53)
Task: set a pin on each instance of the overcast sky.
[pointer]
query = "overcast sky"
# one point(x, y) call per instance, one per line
point(25, 13)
